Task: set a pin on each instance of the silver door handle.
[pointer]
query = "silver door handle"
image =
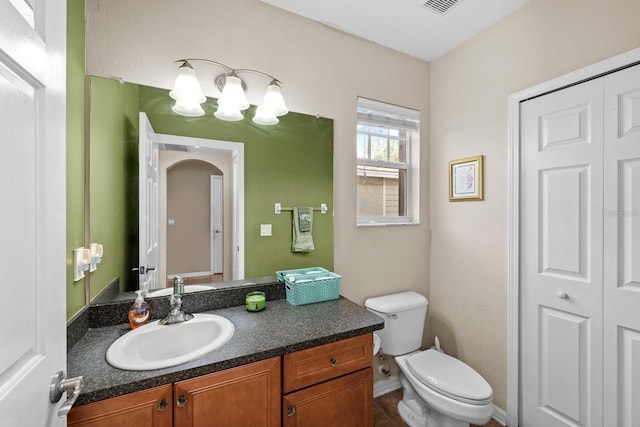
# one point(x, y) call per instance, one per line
point(61, 384)
point(143, 269)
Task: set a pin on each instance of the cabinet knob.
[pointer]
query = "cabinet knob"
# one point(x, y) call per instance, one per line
point(182, 400)
point(562, 295)
point(333, 362)
point(291, 411)
point(163, 405)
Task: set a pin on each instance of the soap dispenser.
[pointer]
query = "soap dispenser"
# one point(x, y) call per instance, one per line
point(139, 312)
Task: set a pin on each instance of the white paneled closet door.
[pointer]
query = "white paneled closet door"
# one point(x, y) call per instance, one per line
point(561, 258)
point(580, 254)
point(622, 248)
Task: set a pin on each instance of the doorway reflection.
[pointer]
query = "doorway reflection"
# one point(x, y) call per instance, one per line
point(194, 192)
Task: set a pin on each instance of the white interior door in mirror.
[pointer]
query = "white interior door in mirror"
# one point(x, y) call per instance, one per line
point(217, 230)
point(148, 207)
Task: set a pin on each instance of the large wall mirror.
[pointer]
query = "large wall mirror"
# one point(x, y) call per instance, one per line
point(290, 163)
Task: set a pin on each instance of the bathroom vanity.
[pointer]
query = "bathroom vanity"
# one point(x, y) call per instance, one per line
point(285, 366)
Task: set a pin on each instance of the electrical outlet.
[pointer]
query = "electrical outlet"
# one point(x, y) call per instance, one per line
point(265, 229)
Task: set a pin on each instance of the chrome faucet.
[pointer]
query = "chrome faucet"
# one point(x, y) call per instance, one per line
point(176, 314)
point(178, 285)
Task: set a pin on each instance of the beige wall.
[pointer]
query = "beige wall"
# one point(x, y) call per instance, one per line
point(189, 206)
point(323, 71)
point(469, 90)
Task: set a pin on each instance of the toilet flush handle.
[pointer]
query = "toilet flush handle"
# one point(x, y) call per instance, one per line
point(393, 316)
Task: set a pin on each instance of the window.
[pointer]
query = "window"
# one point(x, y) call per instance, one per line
point(386, 142)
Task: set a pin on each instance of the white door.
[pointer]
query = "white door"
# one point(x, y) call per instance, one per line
point(32, 209)
point(561, 258)
point(217, 232)
point(622, 248)
point(148, 205)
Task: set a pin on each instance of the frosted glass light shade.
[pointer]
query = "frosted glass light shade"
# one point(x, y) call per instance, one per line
point(233, 96)
point(186, 88)
point(264, 116)
point(186, 109)
point(228, 112)
point(274, 101)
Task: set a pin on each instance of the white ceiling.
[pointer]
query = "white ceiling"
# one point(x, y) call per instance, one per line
point(405, 25)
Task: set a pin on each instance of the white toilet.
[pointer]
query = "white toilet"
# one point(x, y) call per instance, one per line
point(438, 390)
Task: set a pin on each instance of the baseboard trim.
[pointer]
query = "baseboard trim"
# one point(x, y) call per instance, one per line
point(393, 383)
point(386, 386)
point(500, 415)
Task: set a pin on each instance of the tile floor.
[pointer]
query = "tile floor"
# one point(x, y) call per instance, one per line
point(385, 411)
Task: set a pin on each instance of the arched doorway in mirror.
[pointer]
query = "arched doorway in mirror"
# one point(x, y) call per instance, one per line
point(194, 198)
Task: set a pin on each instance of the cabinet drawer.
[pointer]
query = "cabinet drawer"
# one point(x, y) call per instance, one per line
point(317, 364)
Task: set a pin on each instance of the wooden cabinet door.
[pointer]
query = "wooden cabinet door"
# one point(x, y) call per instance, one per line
point(246, 396)
point(144, 408)
point(343, 402)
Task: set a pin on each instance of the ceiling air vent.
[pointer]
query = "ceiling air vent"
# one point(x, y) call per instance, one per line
point(440, 7)
point(174, 147)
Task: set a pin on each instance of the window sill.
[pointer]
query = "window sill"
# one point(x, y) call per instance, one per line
point(386, 224)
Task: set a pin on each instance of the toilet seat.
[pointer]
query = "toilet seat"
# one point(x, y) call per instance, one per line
point(450, 376)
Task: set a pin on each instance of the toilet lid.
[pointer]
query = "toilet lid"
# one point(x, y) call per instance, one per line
point(450, 376)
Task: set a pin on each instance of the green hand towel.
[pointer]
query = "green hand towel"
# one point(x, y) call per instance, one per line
point(302, 226)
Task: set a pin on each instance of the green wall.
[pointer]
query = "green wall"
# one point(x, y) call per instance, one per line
point(75, 148)
point(113, 180)
point(290, 163)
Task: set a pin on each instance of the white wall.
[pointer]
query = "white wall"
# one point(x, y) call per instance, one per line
point(323, 72)
point(469, 90)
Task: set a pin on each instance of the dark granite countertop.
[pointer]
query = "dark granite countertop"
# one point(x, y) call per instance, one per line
point(279, 329)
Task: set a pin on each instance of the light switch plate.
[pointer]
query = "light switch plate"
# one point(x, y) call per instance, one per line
point(265, 229)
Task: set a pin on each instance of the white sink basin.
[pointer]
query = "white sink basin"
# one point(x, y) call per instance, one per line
point(187, 289)
point(155, 346)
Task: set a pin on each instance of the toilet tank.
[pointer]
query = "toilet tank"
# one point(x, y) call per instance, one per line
point(403, 315)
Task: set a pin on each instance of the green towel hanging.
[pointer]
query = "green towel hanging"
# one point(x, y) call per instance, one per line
point(302, 226)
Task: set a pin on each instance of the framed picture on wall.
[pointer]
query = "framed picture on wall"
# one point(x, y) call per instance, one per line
point(466, 179)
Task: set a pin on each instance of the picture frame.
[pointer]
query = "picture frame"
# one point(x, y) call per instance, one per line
point(466, 179)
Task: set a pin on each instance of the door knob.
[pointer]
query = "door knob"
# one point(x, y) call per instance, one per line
point(143, 269)
point(562, 294)
point(59, 385)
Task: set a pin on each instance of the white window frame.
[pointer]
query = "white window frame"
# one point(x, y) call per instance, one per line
point(376, 113)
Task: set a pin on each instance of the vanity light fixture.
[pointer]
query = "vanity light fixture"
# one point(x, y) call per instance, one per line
point(96, 251)
point(188, 94)
point(81, 262)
